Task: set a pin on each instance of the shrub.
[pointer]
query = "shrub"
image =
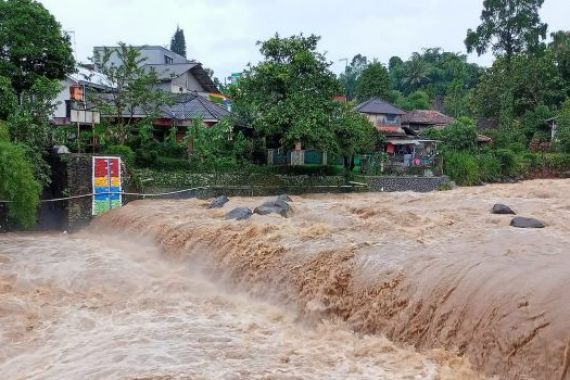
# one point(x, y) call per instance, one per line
point(171, 149)
point(168, 163)
point(18, 184)
point(146, 158)
point(489, 167)
point(509, 162)
point(4, 132)
point(462, 168)
point(124, 151)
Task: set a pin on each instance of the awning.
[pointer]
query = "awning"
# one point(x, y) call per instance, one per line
point(403, 142)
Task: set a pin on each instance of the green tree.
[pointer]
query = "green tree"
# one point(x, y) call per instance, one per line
point(374, 82)
point(508, 27)
point(178, 42)
point(18, 184)
point(135, 90)
point(352, 133)
point(560, 47)
point(460, 136)
point(533, 80)
point(351, 73)
point(32, 45)
point(418, 100)
point(416, 73)
point(8, 99)
point(289, 95)
point(563, 133)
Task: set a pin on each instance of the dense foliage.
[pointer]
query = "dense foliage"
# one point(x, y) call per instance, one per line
point(178, 42)
point(289, 94)
point(18, 184)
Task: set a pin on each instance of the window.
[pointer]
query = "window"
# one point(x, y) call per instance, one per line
point(168, 60)
point(391, 119)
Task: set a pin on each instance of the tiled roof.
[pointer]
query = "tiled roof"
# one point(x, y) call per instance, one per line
point(378, 106)
point(427, 117)
point(189, 106)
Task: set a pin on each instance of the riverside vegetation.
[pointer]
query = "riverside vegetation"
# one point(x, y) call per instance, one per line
point(288, 98)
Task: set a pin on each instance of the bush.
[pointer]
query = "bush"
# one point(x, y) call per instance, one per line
point(167, 163)
point(171, 150)
point(489, 167)
point(462, 168)
point(509, 162)
point(18, 184)
point(146, 158)
point(124, 151)
point(4, 132)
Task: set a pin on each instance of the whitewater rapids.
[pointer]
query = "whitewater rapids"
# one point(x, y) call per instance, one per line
point(93, 307)
point(306, 297)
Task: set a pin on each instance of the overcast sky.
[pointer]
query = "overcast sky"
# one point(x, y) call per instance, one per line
point(222, 33)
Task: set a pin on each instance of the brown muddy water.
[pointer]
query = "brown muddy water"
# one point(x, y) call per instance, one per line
point(312, 296)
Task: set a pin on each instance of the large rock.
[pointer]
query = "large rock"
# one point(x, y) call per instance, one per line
point(240, 213)
point(502, 209)
point(278, 207)
point(284, 198)
point(219, 202)
point(522, 222)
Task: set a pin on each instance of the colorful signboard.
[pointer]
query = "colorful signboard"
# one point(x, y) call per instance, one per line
point(106, 184)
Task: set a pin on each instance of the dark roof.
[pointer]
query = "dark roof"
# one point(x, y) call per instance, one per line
point(378, 106)
point(427, 117)
point(167, 72)
point(190, 106)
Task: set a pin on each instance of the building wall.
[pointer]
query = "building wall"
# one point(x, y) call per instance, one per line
point(152, 55)
point(60, 110)
point(187, 82)
point(382, 119)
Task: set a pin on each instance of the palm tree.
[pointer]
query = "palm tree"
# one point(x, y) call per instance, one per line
point(416, 73)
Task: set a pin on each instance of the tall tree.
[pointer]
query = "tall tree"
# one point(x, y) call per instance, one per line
point(289, 95)
point(178, 42)
point(508, 27)
point(560, 46)
point(374, 82)
point(135, 88)
point(32, 44)
point(351, 73)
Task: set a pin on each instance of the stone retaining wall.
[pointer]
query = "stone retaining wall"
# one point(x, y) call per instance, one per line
point(417, 184)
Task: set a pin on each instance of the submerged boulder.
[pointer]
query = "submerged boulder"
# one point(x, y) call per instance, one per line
point(522, 222)
point(278, 207)
point(239, 213)
point(502, 209)
point(284, 198)
point(219, 202)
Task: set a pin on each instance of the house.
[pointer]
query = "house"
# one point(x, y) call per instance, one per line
point(180, 78)
point(72, 106)
point(402, 145)
point(176, 73)
point(420, 120)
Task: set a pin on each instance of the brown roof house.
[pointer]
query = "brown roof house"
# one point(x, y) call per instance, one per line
point(402, 145)
point(423, 119)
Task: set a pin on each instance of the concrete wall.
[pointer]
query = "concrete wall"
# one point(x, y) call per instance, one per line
point(417, 184)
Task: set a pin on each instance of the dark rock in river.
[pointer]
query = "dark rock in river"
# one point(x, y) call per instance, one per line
point(219, 202)
point(502, 209)
point(278, 207)
point(284, 198)
point(522, 222)
point(240, 213)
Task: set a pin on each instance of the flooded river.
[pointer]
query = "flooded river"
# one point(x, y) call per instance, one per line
point(172, 290)
point(93, 307)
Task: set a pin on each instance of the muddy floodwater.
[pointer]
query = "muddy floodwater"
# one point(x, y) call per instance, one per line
point(355, 286)
point(91, 308)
